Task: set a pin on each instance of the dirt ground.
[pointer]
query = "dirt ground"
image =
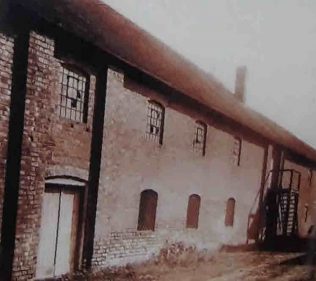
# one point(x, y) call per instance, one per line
point(252, 266)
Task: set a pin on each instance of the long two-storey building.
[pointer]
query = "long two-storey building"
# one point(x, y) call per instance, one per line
point(114, 147)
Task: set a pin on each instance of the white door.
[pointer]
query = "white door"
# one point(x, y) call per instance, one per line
point(58, 225)
point(64, 243)
point(48, 233)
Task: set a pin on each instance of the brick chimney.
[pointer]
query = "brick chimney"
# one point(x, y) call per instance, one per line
point(240, 83)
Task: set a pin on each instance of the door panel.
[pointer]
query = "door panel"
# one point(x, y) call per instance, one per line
point(64, 243)
point(48, 232)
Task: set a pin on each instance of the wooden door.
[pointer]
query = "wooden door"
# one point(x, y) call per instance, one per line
point(48, 233)
point(59, 231)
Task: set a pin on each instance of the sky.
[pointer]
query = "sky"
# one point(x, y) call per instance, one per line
point(275, 39)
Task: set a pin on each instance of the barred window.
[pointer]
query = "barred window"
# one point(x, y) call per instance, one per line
point(199, 141)
point(193, 211)
point(230, 212)
point(155, 122)
point(237, 151)
point(74, 95)
point(147, 210)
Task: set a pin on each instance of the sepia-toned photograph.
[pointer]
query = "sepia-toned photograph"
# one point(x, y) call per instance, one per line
point(157, 140)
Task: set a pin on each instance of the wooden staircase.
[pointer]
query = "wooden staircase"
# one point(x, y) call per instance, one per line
point(288, 203)
point(273, 219)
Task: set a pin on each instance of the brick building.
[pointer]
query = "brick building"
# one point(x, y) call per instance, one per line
point(114, 147)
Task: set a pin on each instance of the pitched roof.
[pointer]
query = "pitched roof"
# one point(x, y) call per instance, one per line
point(102, 26)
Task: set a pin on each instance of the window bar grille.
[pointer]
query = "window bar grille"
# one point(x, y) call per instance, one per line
point(155, 119)
point(73, 96)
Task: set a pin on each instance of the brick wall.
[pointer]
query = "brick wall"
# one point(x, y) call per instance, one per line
point(6, 56)
point(52, 146)
point(128, 246)
point(71, 139)
point(35, 153)
point(131, 163)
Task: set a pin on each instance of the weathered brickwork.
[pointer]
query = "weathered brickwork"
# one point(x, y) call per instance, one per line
point(128, 246)
point(71, 139)
point(52, 146)
point(35, 153)
point(131, 164)
point(6, 57)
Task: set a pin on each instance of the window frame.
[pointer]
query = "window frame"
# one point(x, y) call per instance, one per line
point(85, 80)
point(237, 155)
point(200, 147)
point(152, 122)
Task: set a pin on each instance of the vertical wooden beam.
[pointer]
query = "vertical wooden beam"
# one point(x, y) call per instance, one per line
point(95, 166)
point(262, 190)
point(272, 198)
point(13, 165)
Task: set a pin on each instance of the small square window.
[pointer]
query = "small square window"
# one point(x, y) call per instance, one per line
point(73, 103)
point(155, 122)
point(199, 141)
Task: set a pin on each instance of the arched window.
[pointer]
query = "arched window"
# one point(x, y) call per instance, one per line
point(147, 210)
point(193, 211)
point(230, 212)
point(199, 141)
point(155, 121)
